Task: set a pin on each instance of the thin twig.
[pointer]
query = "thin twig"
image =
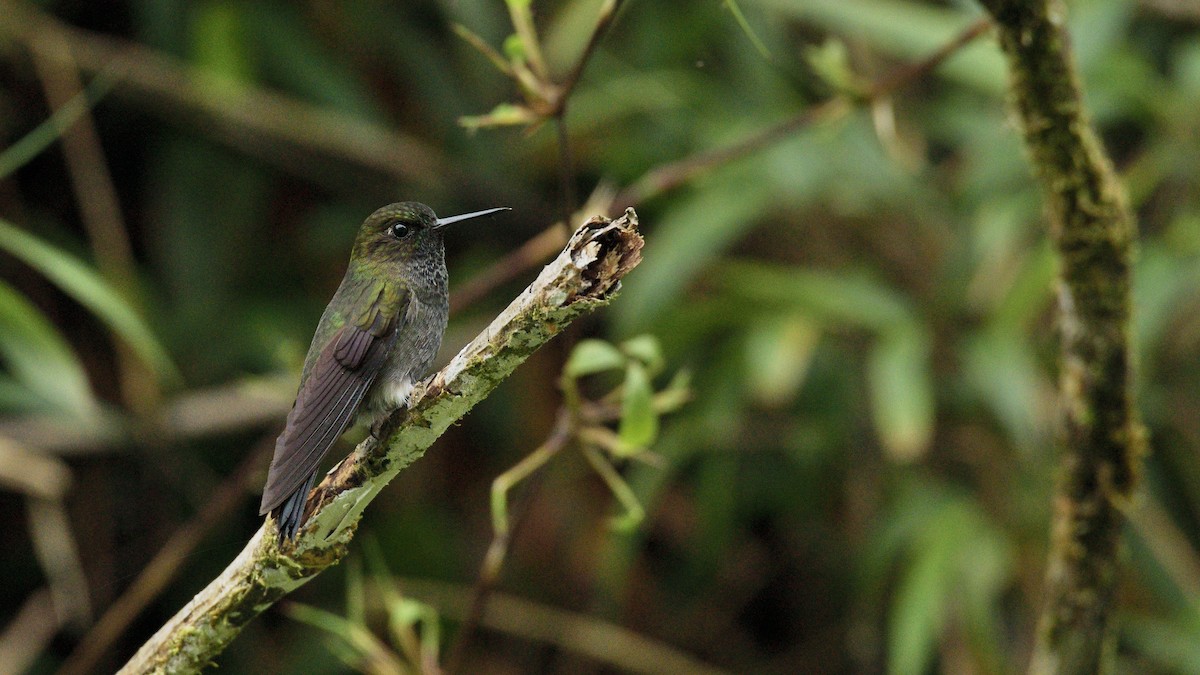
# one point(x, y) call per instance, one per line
point(99, 209)
point(604, 20)
point(566, 170)
point(28, 633)
point(669, 176)
point(563, 91)
point(597, 639)
point(503, 534)
point(540, 247)
point(58, 555)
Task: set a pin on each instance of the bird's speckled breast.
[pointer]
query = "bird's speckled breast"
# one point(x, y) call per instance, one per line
point(416, 347)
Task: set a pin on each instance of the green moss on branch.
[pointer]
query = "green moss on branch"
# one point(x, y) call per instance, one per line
point(1102, 439)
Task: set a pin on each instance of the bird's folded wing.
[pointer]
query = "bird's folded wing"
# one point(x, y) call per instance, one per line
point(326, 404)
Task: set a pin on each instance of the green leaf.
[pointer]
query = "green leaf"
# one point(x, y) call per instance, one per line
point(851, 298)
point(645, 348)
point(514, 48)
point(907, 30)
point(919, 608)
point(831, 62)
point(504, 114)
point(945, 561)
point(327, 621)
point(39, 357)
point(778, 354)
point(593, 356)
point(286, 55)
point(902, 391)
point(219, 49)
point(33, 143)
point(738, 16)
point(1001, 369)
point(358, 638)
point(85, 285)
point(639, 422)
point(1173, 642)
point(355, 593)
point(689, 234)
point(16, 397)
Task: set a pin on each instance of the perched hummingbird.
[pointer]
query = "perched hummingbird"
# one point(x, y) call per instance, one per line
point(379, 334)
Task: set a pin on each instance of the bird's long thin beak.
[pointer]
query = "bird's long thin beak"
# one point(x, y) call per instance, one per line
point(442, 222)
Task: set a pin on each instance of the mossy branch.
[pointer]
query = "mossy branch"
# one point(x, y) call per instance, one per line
point(583, 277)
point(1101, 437)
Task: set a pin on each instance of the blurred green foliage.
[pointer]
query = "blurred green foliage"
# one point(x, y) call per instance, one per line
point(862, 481)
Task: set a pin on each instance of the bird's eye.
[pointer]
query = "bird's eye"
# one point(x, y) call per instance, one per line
point(399, 230)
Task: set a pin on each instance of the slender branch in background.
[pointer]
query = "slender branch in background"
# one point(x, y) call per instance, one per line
point(604, 20)
point(566, 170)
point(1102, 438)
point(45, 482)
point(168, 562)
point(29, 632)
point(58, 555)
point(667, 177)
point(581, 279)
point(86, 165)
point(503, 533)
point(98, 205)
point(624, 649)
point(532, 252)
point(242, 405)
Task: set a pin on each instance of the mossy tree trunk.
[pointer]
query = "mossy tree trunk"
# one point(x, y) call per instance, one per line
point(1101, 437)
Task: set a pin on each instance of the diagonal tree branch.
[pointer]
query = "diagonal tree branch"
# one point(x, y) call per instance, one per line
point(1102, 439)
point(583, 277)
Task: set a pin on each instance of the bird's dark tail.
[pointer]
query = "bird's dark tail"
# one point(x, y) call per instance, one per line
point(289, 515)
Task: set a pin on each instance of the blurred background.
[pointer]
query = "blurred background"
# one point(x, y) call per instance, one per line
point(858, 296)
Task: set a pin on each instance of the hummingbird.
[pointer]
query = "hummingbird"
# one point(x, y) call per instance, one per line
point(379, 335)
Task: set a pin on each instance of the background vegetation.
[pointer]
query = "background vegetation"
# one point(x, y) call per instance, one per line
point(861, 481)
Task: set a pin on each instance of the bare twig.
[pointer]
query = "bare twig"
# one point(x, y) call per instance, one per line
point(32, 473)
point(673, 174)
point(604, 20)
point(532, 252)
point(99, 209)
point(600, 640)
point(45, 481)
point(503, 533)
point(94, 191)
point(58, 555)
point(227, 408)
point(566, 168)
point(1102, 439)
point(558, 110)
point(26, 636)
point(582, 278)
point(669, 176)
